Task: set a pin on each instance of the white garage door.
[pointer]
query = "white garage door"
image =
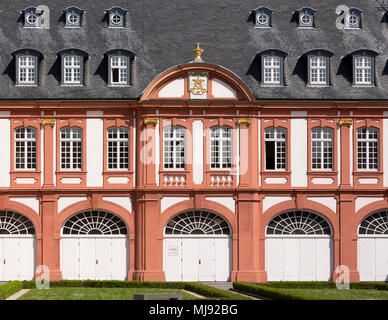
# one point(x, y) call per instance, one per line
point(95, 246)
point(17, 247)
point(299, 247)
point(373, 247)
point(197, 247)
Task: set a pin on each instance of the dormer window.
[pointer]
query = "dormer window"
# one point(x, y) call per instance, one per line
point(306, 17)
point(27, 66)
point(72, 62)
point(272, 65)
point(116, 17)
point(364, 68)
point(262, 17)
point(32, 17)
point(318, 66)
point(73, 17)
point(119, 67)
point(353, 19)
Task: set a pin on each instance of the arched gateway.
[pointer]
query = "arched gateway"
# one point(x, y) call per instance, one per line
point(197, 247)
point(94, 245)
point(17, 247)
point(299, 247)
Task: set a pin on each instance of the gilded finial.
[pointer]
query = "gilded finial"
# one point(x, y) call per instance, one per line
point(198, 51)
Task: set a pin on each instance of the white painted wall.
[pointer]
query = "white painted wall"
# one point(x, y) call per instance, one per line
point(269, 202)
point(175, 89)
point(5, 161)
point(329, 202)
point(124, 202)
point(298, 147)
point(157, 151)
point(351, 150)
point(364, 201)
point(64, 202)
point(225, 201)
point(30, 202)
point(94, 149)
point(167, 202)
point(385, 148)
point(222, 90)
point(339, 151)
point(197, 152)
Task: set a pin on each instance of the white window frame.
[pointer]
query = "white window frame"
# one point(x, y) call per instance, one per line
point(174, 142)
point(28, 65)
point(26, 143)
point(70, 22)
point(272, 69)
point(323, 142)
point(118, 143)
point(319, 69)
point(73, 145)
point(73, 67)
point(362, 71)
point(278, 141)
point(123, 70)
point(368, 142)
point(224, 149)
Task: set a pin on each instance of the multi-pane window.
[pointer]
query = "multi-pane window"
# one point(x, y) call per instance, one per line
point(363, 70)
point(71, 148)
point(322, 148)
point(271, 69)
point(72, 69)
point(221, 148)
point(27, 70)
point(25, 148)
point(174, 147)
point(118, 148)
point(318, 70)
point(368, 148)
point(275, 148)
point(119, 70)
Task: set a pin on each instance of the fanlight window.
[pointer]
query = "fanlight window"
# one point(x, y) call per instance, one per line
point(197, 222)
point(14, 223)
point(94, 222)
point(298, 223)
point(376, 223)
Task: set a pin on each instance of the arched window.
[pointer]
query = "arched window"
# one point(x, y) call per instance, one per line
point(322, 148)
point(221, 148)
point(197, 222)
point(275, 148)
point(174, 140)
point(71, 148)
point(376, 223)
point(14, 223)
point(306, 17)
point(368, 148)
point(298, 223)
point(25, 148)
point(72, 69)
point(94, 222)
point(118, 148)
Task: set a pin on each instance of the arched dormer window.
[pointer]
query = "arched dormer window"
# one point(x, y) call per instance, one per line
point(73, 17)
point(353, 18)
point(27, 66)
point(72, 66)
point(306, 17)
point(318, 67)
point(120, 66)
point(364, 67)
point(272, 67)
point(262, 17)
point(31, 17)
point(116, 17)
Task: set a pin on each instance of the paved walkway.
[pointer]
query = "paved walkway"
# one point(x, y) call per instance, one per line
point(228, 286)
point(18, 294)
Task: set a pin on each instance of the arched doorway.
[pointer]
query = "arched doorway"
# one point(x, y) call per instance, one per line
point(299, 247)
point(373, 247)
point(17, 247)
point(197, 247)
point(95, 246)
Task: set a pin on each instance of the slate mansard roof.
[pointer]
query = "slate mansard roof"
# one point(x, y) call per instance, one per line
point(162, 34)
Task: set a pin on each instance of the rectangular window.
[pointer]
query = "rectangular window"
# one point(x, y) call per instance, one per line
point(72, 69)
point(25, 149)
point(322, 148)
point(318, 70)
point(71, 148)
point(221, 148)
point(368, 149)
point(275, 149)
point(363, 70)
point(119, 70)
point(118, 148)
point(174, 148)
point(27, 70)
point(271, 70)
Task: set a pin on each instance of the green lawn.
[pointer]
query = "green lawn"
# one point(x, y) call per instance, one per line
point(72, 293)
point(335, 294)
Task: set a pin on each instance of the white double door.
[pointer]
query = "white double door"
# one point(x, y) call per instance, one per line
point(299, 258)
point(17, 258)
point(373, 258)
point(94, 258)
point(198, 258)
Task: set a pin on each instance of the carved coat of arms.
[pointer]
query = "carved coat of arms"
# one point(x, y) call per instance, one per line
point(198, 83)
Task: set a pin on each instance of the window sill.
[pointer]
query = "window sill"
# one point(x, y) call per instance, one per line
point(363, 86)
point(71, 172)
point(271, 85)
point(367, 173)
point(26, 85)
point(310, 85)
point(72, 85)
point(25, 171)
point(119, 85)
